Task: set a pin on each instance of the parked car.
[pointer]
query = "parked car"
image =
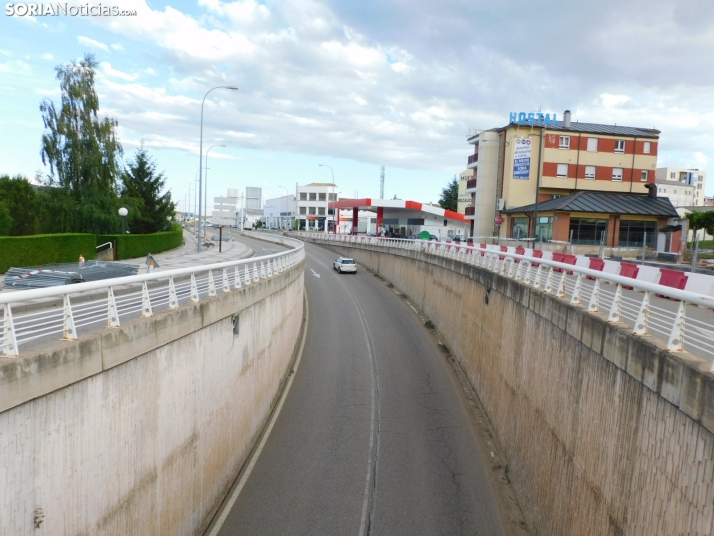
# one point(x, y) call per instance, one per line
point(434, 237)
point(345, 265)
point(458, 238)
point(470, 241)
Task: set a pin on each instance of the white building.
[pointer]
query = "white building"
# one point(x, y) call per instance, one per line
point(684, 187)
point(307, 208)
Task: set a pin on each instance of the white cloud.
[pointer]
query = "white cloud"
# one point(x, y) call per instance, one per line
point(117, 46)
point(150, 71)
point(5, 52)
point(16, 66)
point(109, 71)
point(92, 43)
point(47, 56)
point(48, 92)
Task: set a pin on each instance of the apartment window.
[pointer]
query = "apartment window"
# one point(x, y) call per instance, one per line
point(562, 170)
point(564, 142)
point(321, 211)
point(590, 171)
point(673, 175)
point(519, 228)
point(313, 196)
point(312, 210)
point(643, 175)
point(617, 174)
point(592, 145)
point(303, 210)
point(699, 187)
point(619, 146)
point(332, 197)
point(701, 178)
point(683, 176)
point(321, 197)
point(303, 196)
point(675, 192)
point(647, 148)
point(664, 190)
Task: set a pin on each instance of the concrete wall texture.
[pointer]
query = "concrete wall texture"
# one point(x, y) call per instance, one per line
point(148, 436)
point(605, 433)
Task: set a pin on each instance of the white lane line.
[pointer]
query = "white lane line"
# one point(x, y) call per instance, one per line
point(244, 478)
point(314, 273)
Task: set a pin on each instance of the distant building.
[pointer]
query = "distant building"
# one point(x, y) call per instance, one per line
point(308, 207)
point(464, 199)
point(684, 187)
point(575, 157)
point(709, 201)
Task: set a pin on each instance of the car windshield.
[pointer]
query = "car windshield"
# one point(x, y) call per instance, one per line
point(347, 261)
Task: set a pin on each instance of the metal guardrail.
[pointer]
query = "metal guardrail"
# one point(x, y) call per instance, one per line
point(133, 296)
point(666, 319)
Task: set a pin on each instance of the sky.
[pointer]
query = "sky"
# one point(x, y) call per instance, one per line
point(355, 85)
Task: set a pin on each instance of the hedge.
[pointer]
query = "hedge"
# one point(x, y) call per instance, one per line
point(134, 246)
point(36, 250)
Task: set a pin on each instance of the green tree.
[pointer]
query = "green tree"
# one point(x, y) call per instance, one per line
point(449, 199)
point(141, 184)
point(20, 200)
point(5, 220)
point(83, 154)
point(701, 220)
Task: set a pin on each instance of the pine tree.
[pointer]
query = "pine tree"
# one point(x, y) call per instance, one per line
point(450, 195)
point(143, 185)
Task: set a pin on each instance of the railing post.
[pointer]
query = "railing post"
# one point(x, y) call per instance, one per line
point(560, 293)
point(226, 284)
point(112, 312)
point(69, 333)
point(594, 297)
point(575, 298)
point(211, 284)
point(643, 317)
point(676, 337)
point(194, 289)
point(256, 273)
point(614, 315)
point(247, 275)
point(9, 341)
point(146, 310)
point(527, 276)
point(236, 277)
point(173, 299)
point(549, 281)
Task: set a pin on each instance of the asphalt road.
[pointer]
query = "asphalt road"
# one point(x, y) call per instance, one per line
point(373, 437)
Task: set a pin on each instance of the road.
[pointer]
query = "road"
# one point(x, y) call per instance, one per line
point(373, 437)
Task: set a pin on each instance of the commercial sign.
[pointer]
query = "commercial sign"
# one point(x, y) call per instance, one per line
point(531, 118)
point(522, 159)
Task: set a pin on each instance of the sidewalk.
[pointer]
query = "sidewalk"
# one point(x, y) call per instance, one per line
point(186, 255)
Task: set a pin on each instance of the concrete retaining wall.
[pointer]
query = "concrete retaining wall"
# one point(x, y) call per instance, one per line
point(142, 429)
point(605, 433)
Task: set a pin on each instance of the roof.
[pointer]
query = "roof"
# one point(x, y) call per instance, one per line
point(604, 203)
point(397, 204)
point(590, 128)
point(320, 184)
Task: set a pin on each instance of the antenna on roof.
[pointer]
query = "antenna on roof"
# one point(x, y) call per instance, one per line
point(381, 184)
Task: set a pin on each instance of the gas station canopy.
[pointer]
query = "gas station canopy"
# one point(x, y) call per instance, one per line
point(396, 205)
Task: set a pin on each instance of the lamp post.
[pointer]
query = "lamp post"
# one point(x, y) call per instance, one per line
point(205, 201)
point(200, 159)
point(123, 212)
point(282, 223)
point(334, 228)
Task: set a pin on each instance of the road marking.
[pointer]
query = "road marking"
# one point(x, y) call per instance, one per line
point(314, 273)
point(225, 510)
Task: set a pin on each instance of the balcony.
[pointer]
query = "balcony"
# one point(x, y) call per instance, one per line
point(470, 186)
point(470, 213)
point(473, 161)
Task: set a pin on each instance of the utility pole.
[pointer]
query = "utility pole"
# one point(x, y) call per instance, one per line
point(381, 184)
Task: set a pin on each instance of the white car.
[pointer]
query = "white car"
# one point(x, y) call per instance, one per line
point(345, 265)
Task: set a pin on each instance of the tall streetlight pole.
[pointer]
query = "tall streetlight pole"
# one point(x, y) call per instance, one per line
point(286, 202)
point(200, 161)
point(334, 229)
point(205, 201)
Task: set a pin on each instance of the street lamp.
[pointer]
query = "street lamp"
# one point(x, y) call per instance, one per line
point(334, 227)
point(282, 223)
point(123, 212)
point(205, 201)
point(200, 159)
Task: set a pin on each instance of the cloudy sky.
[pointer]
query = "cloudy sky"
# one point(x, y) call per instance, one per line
point(360, 84)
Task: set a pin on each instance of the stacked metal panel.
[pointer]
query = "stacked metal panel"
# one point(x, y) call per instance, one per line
point(53, 275)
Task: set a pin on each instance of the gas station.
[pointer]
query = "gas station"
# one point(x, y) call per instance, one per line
point(399, 218)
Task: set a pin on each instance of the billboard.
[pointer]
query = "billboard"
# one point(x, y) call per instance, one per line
point(522, 159)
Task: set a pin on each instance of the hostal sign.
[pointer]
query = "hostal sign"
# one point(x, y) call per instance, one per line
point(531, 118)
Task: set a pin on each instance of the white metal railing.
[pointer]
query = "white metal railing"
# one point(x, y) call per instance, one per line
point(130, 296)
point(669, 319)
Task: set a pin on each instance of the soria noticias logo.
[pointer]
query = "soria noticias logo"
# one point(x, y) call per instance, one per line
point(68, 10)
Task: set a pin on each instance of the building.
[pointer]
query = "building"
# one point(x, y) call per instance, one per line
point(709, 201)
point(684, 187)
point(307, 208)
point(464, 199)
point(279, 212)
point(554, 158)
point(401, 218)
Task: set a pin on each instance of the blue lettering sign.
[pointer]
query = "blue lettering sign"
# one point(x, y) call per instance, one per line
point(531, 118)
